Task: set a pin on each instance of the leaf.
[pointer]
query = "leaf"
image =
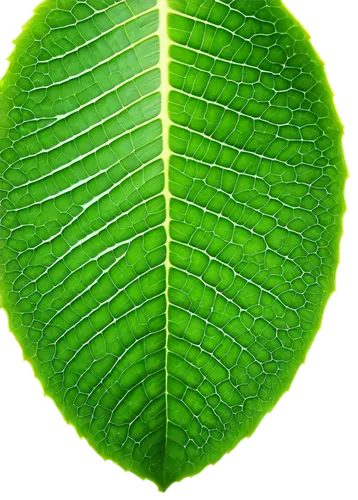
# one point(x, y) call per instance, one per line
point(172, 202)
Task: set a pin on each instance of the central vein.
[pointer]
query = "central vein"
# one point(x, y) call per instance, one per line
point(164, 116)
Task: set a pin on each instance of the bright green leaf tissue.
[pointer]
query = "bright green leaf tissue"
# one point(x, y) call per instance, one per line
point(171, 203)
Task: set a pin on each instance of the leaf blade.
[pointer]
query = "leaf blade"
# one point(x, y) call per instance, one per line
point(164, 352)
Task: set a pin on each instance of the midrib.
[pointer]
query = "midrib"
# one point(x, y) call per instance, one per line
point(164, 116)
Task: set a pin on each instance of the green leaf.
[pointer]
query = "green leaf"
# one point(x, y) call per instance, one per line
point(172, 203)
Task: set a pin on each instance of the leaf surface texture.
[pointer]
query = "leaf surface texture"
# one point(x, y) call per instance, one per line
point(172, 201)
